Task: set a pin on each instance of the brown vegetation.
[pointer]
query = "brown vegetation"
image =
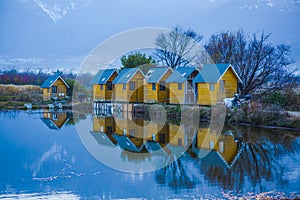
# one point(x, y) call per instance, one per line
point(261, 115)
point(14, 96)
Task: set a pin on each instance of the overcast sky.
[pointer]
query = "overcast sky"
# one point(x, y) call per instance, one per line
point(54, 33)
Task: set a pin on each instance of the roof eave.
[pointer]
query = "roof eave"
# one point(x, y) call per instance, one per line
point(230, 66)
point(138, 70)
point(167, 69)
point(62, 81)
point(107, 78)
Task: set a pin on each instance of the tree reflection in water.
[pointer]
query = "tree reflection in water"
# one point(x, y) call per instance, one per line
point(242, 158)
point(176, 175)
point(259, 160)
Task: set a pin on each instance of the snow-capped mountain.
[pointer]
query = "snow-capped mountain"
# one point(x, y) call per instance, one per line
point(55, 33)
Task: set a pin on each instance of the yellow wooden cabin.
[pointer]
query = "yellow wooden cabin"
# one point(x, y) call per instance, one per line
point(215, 82)
point(180, 85)
point(129, 86)
point(55, 120)
point(54, 87)
point(155, 90)
point(102, 85)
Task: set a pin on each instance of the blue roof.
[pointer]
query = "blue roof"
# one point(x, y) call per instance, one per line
point(180, 74)
point(48, 83)
point(155, 74)
point(125, 75)
point(211, 158)
point(211, 73)
point(175, 77)
point(102, 76)
point(186, 71)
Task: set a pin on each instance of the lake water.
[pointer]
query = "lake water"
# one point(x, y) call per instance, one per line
point(43, 155)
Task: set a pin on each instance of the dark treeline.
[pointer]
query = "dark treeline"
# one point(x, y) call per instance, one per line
point(27, 77)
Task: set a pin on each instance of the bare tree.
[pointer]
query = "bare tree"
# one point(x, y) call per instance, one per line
point(177, 47)
point(261, 65)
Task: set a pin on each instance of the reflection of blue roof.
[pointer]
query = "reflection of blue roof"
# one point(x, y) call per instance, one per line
point(211, 73)
point(152, 146)
point(125, 75)
point(125, 143)
point(50, 124)
point(102, 76)
point(180, 74)
point(51, 80)
point(102, 139)
point(155, 74)
point(176, 150)
point(155, 149)
point(211, 158)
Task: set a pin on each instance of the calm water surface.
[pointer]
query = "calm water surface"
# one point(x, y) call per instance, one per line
point(42, 155)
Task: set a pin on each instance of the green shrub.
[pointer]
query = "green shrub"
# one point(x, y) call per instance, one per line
point(276, 98)
point(265, 116)
point(287, 99)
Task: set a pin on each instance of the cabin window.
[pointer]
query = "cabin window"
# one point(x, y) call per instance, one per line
point(132, 133)
point(179, 86)
point(221, 146)
point(132, 85)
point(153, 136)
point(109, 86)
point(162, 138)
point(190, 85)
point(179, 142)
point(109, 130)
point(212, 87)
point(162, 86)
point(222, 86)
point(48, 90)
point(101, 87)
point(211, 144)
point(153, 86)
point(54, 116)
point(54, 89)
point(124, 86)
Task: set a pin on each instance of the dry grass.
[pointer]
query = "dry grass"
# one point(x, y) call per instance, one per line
point(16, 89)
point(27, 93)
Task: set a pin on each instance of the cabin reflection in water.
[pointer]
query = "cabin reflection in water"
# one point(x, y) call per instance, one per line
point(148, 137)
point(55, 119)
point(214, 149)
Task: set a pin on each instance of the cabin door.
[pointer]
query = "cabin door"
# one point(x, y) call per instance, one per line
point(189, 95)
point(61, 91)
point(196, 89)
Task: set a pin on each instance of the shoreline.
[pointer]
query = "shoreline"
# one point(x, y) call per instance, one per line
point(265, 126)
point(203, 117)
